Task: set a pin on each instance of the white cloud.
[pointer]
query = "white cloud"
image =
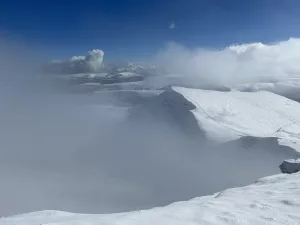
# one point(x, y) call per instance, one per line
point(95, 59)
point(172, 26)
point(233, 64)
point(77, 58)
point(78, 64)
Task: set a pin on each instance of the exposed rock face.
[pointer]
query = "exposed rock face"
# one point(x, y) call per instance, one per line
point(290, 166)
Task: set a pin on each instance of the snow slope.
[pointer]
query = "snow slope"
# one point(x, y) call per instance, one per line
point(226, 116)
point(270, 200)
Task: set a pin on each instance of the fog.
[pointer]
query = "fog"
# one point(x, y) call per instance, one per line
point(62, 151)
point(231, 65)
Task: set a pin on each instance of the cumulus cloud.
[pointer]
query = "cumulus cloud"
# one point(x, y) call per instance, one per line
point(95, 59)
point(233, 64)
point(92, 62)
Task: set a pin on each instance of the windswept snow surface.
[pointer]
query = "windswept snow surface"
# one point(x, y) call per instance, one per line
point(226, 116)
point(270, 200)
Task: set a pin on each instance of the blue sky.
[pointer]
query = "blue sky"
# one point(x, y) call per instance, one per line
point(137, 29)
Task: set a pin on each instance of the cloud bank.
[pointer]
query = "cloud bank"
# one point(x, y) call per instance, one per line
point(233, 64)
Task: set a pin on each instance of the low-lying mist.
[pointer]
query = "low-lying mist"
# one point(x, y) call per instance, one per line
point(61, 151)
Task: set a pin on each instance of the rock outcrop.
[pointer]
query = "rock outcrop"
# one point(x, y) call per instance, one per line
point(290, 166)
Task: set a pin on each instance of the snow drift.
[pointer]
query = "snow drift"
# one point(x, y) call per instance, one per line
point(270, 200)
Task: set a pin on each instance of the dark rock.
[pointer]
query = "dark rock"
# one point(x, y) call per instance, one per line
point(290, 166)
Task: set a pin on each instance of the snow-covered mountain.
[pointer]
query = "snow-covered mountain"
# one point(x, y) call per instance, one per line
point(126, 136)
point(256, 131)
point(226, 116)
point(236, 134)
point(270, 200)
